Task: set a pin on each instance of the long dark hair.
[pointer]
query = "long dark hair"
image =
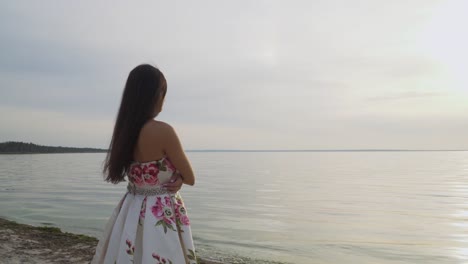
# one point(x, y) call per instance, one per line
point(144, 85)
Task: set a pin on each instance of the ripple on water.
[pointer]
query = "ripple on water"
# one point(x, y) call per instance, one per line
point(333, 207)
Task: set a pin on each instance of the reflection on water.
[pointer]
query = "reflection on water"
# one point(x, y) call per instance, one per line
point(459, 188)
point(307, 207)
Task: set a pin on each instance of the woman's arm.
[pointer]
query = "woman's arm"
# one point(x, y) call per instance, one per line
point(174, 184)
point(173, 149)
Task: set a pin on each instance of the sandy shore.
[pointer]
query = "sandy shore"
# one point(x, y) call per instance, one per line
point(28, 244)
point(21, 243)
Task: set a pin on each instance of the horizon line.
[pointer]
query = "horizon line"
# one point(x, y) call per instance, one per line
point(262, 150)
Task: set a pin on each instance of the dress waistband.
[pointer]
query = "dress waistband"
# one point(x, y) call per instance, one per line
point(133, 189)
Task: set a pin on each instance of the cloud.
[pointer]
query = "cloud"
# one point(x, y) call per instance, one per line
point(264, 73)
point(54, 128)
point(405, 95)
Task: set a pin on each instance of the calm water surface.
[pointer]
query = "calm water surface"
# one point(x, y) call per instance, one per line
point(303, 207)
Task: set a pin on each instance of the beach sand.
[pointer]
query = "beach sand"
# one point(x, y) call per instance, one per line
point(20, 243)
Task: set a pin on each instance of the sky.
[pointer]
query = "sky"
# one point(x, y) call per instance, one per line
point(331, 74)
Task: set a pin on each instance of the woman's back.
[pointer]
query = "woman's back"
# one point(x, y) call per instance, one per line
point(149, 145)
point(158, 140)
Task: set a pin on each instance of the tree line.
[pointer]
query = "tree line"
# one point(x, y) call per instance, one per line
point(15, 147)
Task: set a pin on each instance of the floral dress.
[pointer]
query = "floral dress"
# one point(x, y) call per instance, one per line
point(149, 225)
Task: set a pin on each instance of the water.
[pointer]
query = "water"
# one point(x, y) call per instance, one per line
point(294, 207)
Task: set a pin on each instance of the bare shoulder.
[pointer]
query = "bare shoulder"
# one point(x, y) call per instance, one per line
point(161, 139)
point(157, 128)
point(152, 141)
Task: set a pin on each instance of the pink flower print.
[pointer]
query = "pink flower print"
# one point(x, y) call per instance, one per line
point(180, 212)
point(168, 200)
point(157, 208)
point(181, 215)
point(130, 248)
point(151, 169)
point(179, 199)
point(152, 180)
point(168, 215)
point(163, 213)
point(138, 181)
point(136, 173)
point(176, 207)
point(161, 260)
point(142, 211)
point(151, 174)
point(185, 220)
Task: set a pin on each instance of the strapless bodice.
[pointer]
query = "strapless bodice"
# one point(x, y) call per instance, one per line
point(152, 173)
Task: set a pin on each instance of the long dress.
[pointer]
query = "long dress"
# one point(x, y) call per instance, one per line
point(149, 224)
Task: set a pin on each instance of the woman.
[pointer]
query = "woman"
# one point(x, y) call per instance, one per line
point(150, 223)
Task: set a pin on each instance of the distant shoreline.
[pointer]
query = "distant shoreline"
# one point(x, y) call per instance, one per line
point(30, 148)
point(15, 147)
point(258, 151)
point(19, 153)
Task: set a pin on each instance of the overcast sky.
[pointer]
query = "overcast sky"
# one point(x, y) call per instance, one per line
point(331, 74)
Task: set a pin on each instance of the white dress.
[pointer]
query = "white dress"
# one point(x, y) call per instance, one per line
point(149, 225)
